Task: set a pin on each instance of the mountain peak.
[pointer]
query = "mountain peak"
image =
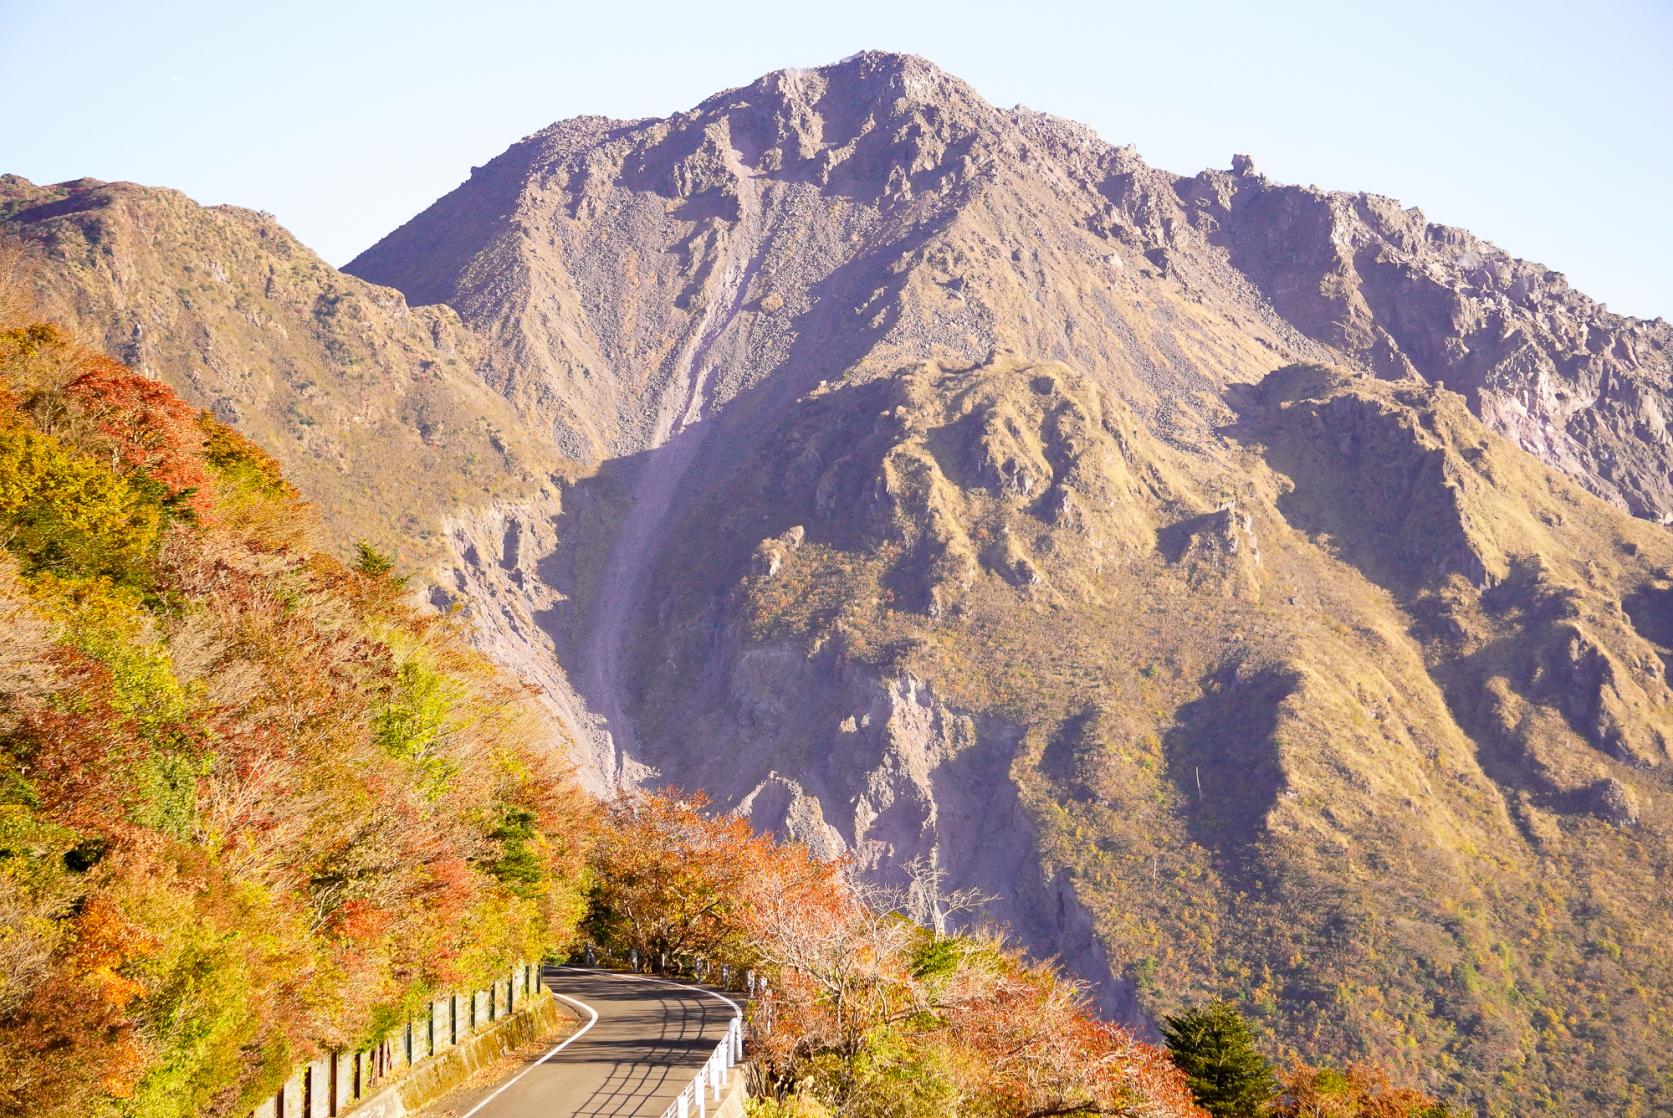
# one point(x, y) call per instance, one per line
point(879, 84)
point(916, 77)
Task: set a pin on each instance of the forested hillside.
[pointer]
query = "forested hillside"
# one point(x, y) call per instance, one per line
point(251, 805)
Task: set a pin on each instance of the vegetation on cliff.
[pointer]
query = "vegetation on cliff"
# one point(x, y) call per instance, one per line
point(865, 1009)
point(251, 805)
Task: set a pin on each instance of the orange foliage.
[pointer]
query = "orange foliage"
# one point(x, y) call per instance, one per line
point(1043, 1052)
point(146, 427)
point(361, 920)
point(226, 865)
point(670, 879)
point(1360, 1091)
point(852, 984)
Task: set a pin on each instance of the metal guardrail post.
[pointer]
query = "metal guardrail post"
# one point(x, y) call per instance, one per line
point(712, 1075)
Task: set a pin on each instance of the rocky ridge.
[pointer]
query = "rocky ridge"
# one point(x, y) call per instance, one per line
point(373, 406)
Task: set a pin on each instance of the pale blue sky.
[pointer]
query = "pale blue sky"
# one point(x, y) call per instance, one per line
point(1543, 126)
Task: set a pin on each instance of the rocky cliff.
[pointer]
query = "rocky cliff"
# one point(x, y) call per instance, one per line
point(969, 489)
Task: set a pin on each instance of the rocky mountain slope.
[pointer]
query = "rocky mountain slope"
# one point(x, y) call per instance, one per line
point(1369, 724)
point(969, 489)
point(373, 406)
point(1259, 589)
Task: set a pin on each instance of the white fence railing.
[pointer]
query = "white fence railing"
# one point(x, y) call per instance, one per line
point(711, 1077)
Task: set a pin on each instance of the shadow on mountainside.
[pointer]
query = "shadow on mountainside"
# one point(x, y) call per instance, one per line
point(1223, 758)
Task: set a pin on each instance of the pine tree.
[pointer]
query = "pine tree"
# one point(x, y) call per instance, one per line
point(1212, 1044)
point(373, 563)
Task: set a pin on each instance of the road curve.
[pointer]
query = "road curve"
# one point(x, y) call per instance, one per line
point(641, 1041)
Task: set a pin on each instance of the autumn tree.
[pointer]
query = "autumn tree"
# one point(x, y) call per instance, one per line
point(373, 563)
point(869, 1005)
point(868, 1009)
point(669, 879)
point(841, 951)
point(932, 902)
point(16, 272)
point(1038, 1049)
point(1358, 1091)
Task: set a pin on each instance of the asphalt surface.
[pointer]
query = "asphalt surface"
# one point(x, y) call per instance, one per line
point(640, 1043)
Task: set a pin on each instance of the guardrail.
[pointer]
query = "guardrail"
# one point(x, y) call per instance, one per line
point(336, 1081)
point(694, 1100)
point(711, 1077)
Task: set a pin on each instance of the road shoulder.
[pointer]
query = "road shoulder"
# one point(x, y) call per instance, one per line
point(494, 1073)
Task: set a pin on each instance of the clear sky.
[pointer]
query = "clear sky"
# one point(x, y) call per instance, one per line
point(1543, 126)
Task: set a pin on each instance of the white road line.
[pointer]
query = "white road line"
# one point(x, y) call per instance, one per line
point(737, 1009)
point(592, 1014)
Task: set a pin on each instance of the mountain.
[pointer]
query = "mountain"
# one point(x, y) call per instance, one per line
point(374, 407)
point(968, 489)
point(1259, 590)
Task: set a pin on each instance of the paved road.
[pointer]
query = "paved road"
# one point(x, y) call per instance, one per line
point(641, 1041)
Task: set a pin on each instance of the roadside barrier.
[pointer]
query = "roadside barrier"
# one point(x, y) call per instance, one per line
point(337, 1081)
point(711, 1077)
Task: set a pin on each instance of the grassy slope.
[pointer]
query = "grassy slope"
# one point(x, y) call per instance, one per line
point(1337, 716)
point(373, 407)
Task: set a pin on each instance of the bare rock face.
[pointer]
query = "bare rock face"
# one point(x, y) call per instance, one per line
point(635, 276)
point(770, 554)
point(1222, 552)
point(1614, 803)
point(1580, 388)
